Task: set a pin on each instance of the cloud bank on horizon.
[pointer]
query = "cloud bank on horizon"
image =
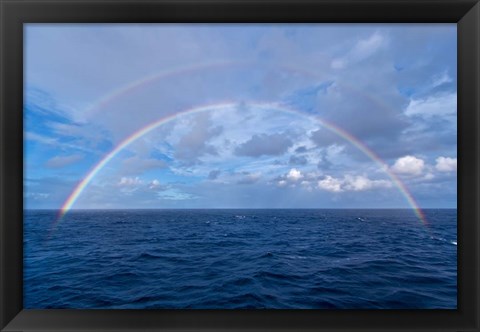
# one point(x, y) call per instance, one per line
point(391, 87)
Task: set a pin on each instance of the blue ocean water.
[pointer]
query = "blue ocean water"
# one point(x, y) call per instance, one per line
point(301, 259)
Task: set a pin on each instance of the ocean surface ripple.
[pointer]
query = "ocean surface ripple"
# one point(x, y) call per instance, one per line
point(240, 259)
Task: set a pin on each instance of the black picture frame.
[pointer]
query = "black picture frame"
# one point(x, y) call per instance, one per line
point(14, 13)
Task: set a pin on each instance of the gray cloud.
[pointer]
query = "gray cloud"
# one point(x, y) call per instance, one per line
point(297, 160)
point(324, 163)
point(323, 137)
point(265, 145)
point(249, 178)
point(62, 161)
point(194, 144)
point(136, 165)
point(301, 149)
point(213, 175)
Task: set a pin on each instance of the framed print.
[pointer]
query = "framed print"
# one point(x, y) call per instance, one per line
point(240, 166)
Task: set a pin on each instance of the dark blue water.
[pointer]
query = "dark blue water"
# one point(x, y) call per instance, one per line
point(332, 259)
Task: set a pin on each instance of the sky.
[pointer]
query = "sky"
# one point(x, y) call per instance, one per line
point(240, 116)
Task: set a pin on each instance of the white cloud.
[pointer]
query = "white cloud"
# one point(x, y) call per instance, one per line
point(127, 181)
point(38, 196)
point(361, 183)
point(351, 183)
point(441, 105)
point(409, 165)
point(429, 176)
point(294, 175)
point(446, 164)
point(330, 184)
point(282, 183)
point(175, 195)
point(441, 79)
point(154, 184)
point(129, 185)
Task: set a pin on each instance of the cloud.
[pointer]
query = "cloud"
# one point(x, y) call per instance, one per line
point(446, 164)
point(297, 160)
point(323, 161)
point(307, 185)
point(265, 145)
point(62, 161)
point(323, 137)
point(130, 185)
point(40, 101)
point(127, 181)
point(136, 165)
point(351, 183)
point(330, 184)
point(433, 106)
point(294, 175)
point(408, 165)
point(441, 79)
point(86, 134)
point(282, 183)
point(54, 142)
point(175, 195)
point(213, 175)
point(250, 178)
point(301, 149)
point(361, 183)
point(37, 196)
point(194, 144)
point(363, 49)
point(429, 176)
point(154, 184)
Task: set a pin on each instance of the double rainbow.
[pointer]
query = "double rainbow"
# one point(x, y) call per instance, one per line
point(77, 191)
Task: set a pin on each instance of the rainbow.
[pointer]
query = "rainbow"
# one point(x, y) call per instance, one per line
point(140, 83)
point(72, 198)
point(145, 81)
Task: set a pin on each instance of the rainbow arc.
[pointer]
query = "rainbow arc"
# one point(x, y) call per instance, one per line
point(229, 106)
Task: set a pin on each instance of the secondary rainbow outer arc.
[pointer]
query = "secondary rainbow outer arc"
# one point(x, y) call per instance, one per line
point(330, 126)
point(172, 72)
point(145, 81)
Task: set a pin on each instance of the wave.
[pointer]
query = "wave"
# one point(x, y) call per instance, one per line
point(225, 259)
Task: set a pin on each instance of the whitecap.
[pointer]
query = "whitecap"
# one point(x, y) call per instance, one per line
point(295, 257)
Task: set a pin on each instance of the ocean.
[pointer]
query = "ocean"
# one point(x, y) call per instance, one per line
point(240, 259)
